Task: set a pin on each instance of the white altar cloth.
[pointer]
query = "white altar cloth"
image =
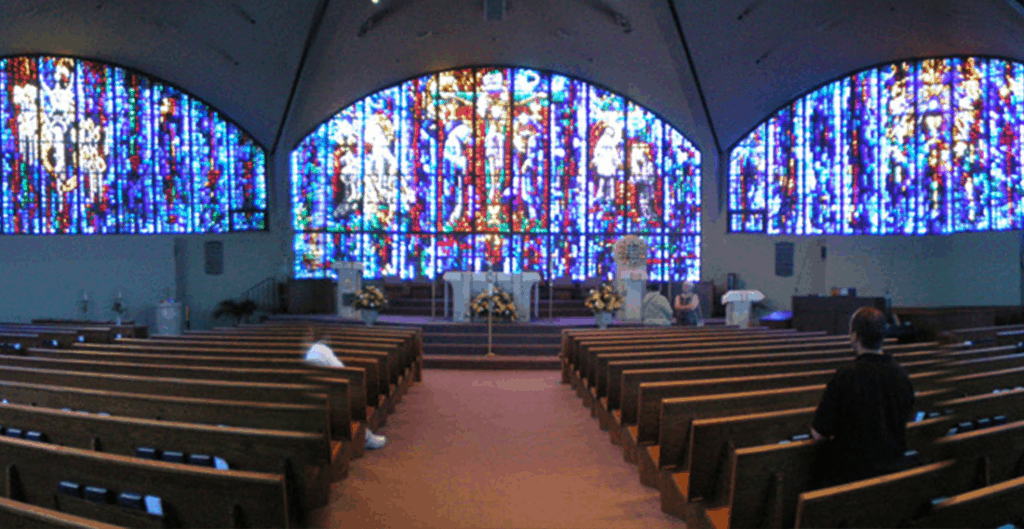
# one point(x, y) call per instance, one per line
point(466, 286)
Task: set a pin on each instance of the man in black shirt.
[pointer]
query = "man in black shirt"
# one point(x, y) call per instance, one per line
point(865, 409)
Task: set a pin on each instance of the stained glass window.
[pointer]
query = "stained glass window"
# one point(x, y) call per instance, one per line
point(925, 147)
point(90, 148)
point(508, 169)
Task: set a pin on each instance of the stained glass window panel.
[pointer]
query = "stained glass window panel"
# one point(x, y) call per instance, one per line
point(969, 182)
point(212, 183)
point(22, 91)
point(311, 255)
point(568, 257)
point(861, 181)
point(419, 188)
point(171, 152)
point(383, 126)
point(417, 256)
point(530, 165)
point(530, 254)
point(568, 155)
point(606, 161)
point(897, 112)
point(381, 251)
point(644, 190)
point(493, 148)
point(345, 173)
point(454, 252)
point(601, 256)
point(492, 252)
point(1005, 112)
point(58, 178)
point(748, 174)
point(783, 197)
point(684, 257)
point(455, 103)
point(934, 135)
point(823, 166)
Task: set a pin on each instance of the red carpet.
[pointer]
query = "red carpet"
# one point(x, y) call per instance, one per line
point(482, 449)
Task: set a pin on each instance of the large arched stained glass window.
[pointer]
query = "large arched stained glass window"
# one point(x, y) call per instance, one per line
point(506, 169)
point(91, 148)
point(926, 147)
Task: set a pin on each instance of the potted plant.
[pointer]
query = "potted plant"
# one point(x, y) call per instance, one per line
point(369, 302)
point(602, 301)
point(239, 310)
point(504, 307)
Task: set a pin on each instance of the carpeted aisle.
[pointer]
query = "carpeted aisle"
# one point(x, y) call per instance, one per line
point(481, 449)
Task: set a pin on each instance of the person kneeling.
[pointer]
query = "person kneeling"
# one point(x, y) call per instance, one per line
point(320, 354)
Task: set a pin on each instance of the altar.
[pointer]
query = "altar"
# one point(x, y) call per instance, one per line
point(467, 285)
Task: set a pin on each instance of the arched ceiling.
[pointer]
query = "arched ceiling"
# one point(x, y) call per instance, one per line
point(280, 67)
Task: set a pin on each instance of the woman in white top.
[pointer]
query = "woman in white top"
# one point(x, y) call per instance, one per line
point(320, 354)
point(688, 306)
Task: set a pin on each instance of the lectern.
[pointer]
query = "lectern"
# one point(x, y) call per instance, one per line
point(350, 281)
point(737, 306)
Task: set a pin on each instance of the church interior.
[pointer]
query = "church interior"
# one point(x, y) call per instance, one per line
point(492, 212)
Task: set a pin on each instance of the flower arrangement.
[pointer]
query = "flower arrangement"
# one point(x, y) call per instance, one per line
point(501, 301)
point(370, 298)
point(604, 299)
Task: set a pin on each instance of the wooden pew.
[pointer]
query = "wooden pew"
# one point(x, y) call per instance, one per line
point(304, 459)
point(676, 417)
point(376, 369)
point(82, 333)
point(342, 426)
point(127, 329)
point(986, 381)
point(16, 514)
point(989, 506)
point(619, 383)
point(589, 362)
point(693, 474)
point(14, 341)
point(47, 337)
point(652, 394)
point(352, 380)
point(190, 496)
point(766, 481)
point(396, 376)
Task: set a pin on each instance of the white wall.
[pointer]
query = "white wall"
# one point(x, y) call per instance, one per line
point(932, 271)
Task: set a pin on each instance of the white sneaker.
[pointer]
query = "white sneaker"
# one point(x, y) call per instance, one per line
point(374, 442)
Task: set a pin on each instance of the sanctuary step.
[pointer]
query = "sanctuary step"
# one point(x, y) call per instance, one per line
point(559, 308)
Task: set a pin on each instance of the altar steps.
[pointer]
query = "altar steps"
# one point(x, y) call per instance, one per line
point(560, 308)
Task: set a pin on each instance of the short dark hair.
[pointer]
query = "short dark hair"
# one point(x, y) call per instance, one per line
point(869, 324)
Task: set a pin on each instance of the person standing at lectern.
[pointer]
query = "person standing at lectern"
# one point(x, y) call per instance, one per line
point(320, 354)
point(864, 412)
point(688, 306)
point(656, 310)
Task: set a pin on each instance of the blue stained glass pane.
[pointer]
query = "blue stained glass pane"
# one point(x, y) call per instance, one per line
point(1005, 97)
point(823, 165)
point(171, 152)
point(657, 257)
point(21, 147)
point(530, 254)
point(683, 257)
point(934, 135)
point(748, 177)
point(454, 252)
point(492, 159)
point(381, 255)
point(568, 257)
point(417, 256)
point(601, 256)
point(381, 181)
point(897, 147)
point(211, 181)
point(311, 255)
point(492, 252)
point(969, 184)
point(308, 176)
point(568, 155)
point(248, 190)
point(861, 184)
point(134, 150)
point(98, 177)
point(783, 174)
point(58, 175)
point(419, 188)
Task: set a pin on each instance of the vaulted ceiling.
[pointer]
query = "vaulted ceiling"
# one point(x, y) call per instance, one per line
point(712, 68)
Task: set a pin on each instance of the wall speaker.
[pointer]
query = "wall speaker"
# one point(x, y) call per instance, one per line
point(494, 10)
point(784, 259)
point(213, 253)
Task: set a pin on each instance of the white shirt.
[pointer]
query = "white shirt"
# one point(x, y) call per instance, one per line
point(321, 355)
